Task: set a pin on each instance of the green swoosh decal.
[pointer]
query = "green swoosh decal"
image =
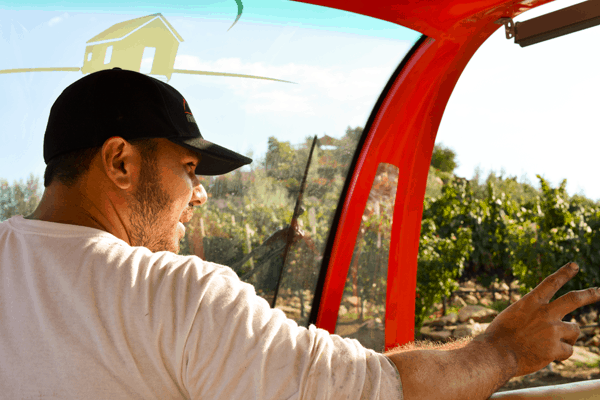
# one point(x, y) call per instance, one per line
point(240, 8)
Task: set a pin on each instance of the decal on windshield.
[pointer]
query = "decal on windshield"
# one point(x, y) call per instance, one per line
point(239, 14)
point(148, 45)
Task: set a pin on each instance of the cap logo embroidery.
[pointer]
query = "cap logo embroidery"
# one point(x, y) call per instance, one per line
point(188, 112)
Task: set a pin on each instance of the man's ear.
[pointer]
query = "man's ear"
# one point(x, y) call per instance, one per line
point(120, 161)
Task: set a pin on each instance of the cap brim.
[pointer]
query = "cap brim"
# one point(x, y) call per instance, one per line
point(215, 160)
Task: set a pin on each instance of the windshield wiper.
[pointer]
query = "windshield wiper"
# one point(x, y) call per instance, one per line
point(291, 231)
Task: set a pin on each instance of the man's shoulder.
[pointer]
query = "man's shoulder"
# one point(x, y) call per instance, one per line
point(169, 265)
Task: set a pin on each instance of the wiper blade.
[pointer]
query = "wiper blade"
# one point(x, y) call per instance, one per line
point(294, 223)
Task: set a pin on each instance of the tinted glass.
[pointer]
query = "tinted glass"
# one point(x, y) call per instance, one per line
point(362, 313)
point(263, 86)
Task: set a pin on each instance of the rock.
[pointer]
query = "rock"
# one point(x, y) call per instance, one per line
point(468, 285)
point(514, 297)
point(430, 334)
point(504, 287)
point(446, 320)
point(592, 316)
point(497, 296)
point(343, 310)
point(515, 284)
point(478, 328)
point(486, 301)
point(371, 324)
point(290, 312)
point(589, 318)
point(457, 301)
point(595, 341)
point(473, 329)
point(470, 299)
point(477, 313)
point(588, 331)
point(353, 300)
point(462, 331)
point(370, 334)
point(594, 349)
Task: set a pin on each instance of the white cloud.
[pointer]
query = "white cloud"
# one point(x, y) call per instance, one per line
point(315, 86)
point(57, 20)
point(280, 101)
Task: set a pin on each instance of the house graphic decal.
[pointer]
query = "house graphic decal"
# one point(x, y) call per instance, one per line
point(147, 44)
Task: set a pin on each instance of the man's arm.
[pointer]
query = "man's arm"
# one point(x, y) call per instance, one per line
point(522, 339)
point(465, 371)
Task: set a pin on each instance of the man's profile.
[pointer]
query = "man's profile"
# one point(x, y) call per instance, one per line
point(96, 303)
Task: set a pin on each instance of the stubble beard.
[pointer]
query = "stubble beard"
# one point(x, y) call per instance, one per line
point(150, 224)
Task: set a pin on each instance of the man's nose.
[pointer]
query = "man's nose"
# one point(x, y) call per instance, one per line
point(199, 195)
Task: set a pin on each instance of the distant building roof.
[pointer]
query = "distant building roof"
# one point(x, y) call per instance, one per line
point(125, 28)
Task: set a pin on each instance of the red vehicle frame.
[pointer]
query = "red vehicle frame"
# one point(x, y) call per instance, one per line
point(401, 131)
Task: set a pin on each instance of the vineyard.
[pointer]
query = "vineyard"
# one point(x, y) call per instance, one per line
point(496, 230)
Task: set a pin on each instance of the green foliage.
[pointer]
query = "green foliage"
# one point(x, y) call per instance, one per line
point(516, 232)
point(443, 158)
point(499, 229)
point(19, 199)
point(444, 247)
point(558, 231)
point(246, 208)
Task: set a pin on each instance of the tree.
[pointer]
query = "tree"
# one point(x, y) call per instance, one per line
point(19, 199)
point(443, 158)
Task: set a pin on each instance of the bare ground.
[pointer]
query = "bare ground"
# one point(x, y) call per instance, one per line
point(566, 373)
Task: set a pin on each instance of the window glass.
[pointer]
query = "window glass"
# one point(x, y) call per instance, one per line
point(362, 313)
point(262, 80)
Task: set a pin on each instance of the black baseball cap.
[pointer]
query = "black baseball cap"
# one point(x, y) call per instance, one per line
point(131, 105)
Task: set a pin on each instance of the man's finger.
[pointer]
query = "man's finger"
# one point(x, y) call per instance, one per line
point(571, 332)
point(549, 286)
point(571, 301)
point(566, 351)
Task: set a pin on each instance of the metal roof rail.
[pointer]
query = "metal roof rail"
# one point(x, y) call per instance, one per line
point(555, 24)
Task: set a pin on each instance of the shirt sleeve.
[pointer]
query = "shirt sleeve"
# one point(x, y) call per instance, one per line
point(240, 348)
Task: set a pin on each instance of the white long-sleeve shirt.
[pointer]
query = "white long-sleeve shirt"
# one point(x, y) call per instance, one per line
point(83, 315)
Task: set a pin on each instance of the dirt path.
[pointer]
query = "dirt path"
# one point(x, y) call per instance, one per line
point(556, 374)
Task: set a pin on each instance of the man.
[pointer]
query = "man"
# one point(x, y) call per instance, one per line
point(96, 304)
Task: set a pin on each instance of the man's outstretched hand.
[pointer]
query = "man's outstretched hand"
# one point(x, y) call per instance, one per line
point(532, 329)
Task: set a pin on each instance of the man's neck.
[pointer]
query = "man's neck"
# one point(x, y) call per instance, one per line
point(64, 205)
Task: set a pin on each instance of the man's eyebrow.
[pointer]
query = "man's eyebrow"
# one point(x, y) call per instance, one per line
point(194, 155)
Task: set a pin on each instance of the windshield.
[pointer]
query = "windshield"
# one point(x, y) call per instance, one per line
point(263, 78)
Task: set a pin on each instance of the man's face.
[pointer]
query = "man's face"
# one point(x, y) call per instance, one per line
point(166, 192)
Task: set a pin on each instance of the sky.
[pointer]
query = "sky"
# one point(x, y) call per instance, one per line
point(531, 110)
point(339, 63)
point(524, 111)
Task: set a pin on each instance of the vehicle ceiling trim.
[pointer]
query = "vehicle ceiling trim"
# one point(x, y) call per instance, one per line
point(558, 23)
